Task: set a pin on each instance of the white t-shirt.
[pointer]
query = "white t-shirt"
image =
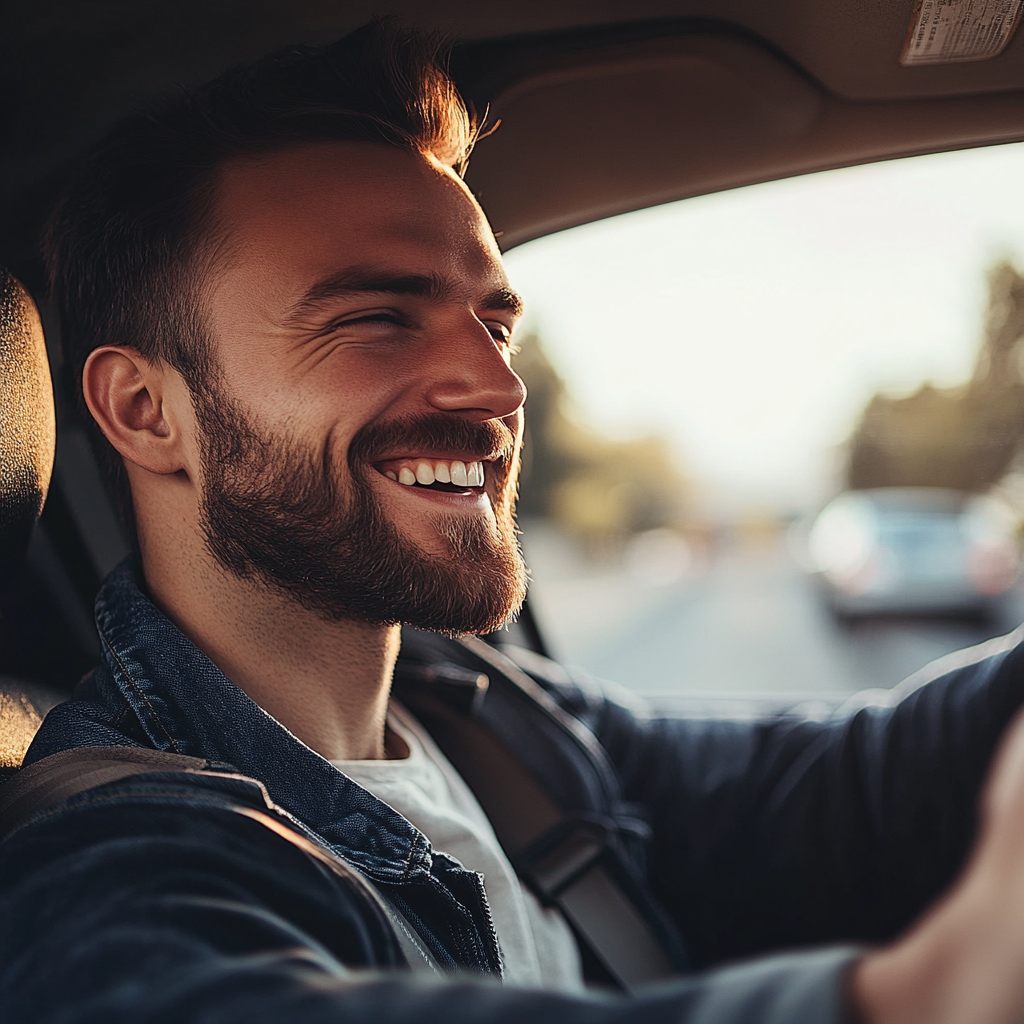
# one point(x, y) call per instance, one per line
point(537, 945)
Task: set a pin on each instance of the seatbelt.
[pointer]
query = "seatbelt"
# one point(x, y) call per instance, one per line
point(70, 772)
point(560, 857)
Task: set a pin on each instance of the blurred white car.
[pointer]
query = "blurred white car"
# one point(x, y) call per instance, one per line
point(914, 550)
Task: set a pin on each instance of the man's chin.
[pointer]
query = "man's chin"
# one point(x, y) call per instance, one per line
point(477, 584)
point(450, 540)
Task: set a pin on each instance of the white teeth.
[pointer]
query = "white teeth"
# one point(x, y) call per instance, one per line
point(460, 474)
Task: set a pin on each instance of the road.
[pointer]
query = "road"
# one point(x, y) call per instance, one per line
point(750, 624)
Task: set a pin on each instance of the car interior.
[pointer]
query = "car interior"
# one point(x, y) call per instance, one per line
point(604, 108)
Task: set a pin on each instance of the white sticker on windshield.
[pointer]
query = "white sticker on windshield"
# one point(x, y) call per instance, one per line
point(949, 31)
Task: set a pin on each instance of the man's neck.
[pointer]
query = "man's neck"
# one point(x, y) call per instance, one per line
point(326, 682)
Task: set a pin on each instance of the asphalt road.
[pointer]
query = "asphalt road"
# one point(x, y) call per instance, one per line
point(750, 624)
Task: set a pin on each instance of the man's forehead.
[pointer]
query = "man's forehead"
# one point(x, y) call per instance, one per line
point(303, 217)
point(360, 183)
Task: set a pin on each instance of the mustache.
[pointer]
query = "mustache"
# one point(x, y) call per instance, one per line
point(490, 440)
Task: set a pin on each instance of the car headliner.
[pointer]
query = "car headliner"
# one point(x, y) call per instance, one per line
point(606, 106)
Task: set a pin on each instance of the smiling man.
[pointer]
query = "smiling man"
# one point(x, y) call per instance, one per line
point(292, 330)
point(343, 456)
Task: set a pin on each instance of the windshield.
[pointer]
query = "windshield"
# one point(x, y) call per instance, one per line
point(706, 376)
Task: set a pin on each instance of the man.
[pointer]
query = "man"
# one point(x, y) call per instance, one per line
point(292, 328)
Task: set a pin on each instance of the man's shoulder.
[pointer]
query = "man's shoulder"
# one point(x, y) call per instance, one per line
point(93, 717)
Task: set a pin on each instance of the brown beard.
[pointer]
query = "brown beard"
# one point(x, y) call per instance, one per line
point(272, 511)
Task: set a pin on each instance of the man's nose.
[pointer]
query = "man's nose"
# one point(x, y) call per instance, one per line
point(470, 374)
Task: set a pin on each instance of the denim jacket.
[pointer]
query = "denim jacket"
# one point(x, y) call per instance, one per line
point(152, 899)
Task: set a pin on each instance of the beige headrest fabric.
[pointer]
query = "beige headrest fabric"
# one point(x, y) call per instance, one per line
point(27, 423)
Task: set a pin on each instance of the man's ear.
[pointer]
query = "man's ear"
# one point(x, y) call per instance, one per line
point(142, 407)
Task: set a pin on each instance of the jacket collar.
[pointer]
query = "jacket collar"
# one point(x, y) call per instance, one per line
point(186, 705)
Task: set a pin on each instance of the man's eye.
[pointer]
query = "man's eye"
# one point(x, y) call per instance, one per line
point(500, 333)
point(371, 318)
point(380, 322)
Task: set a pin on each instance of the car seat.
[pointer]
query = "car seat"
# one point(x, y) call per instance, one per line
point(27, 442)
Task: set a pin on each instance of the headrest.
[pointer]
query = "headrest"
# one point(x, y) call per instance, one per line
point(27, 425)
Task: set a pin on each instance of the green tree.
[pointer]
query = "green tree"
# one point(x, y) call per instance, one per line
point(965, 437)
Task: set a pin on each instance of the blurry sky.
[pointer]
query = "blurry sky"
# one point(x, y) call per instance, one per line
point(751, 326)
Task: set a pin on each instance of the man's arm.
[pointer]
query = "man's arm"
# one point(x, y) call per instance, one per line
point(787, 832)
point(909, 775)
point(153, 900)
point(964, 961)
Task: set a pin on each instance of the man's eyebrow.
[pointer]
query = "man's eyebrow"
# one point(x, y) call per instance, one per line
point(504, 299)
point(362, 282)
point(369, 282)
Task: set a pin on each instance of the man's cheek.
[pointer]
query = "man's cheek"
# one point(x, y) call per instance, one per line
point(355, 483)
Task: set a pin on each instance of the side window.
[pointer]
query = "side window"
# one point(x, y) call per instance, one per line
point(775, 434)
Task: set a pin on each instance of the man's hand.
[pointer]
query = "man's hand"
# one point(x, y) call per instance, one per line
point(963, 963)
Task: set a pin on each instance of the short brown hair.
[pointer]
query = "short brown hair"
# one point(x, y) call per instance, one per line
point(126, 247)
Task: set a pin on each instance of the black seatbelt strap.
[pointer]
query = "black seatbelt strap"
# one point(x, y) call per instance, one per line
point(560, 857)
point(70, 772)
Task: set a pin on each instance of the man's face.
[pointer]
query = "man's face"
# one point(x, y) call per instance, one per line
point(360, 440)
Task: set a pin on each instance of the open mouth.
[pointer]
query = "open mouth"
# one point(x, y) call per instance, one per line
point(444, 476)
